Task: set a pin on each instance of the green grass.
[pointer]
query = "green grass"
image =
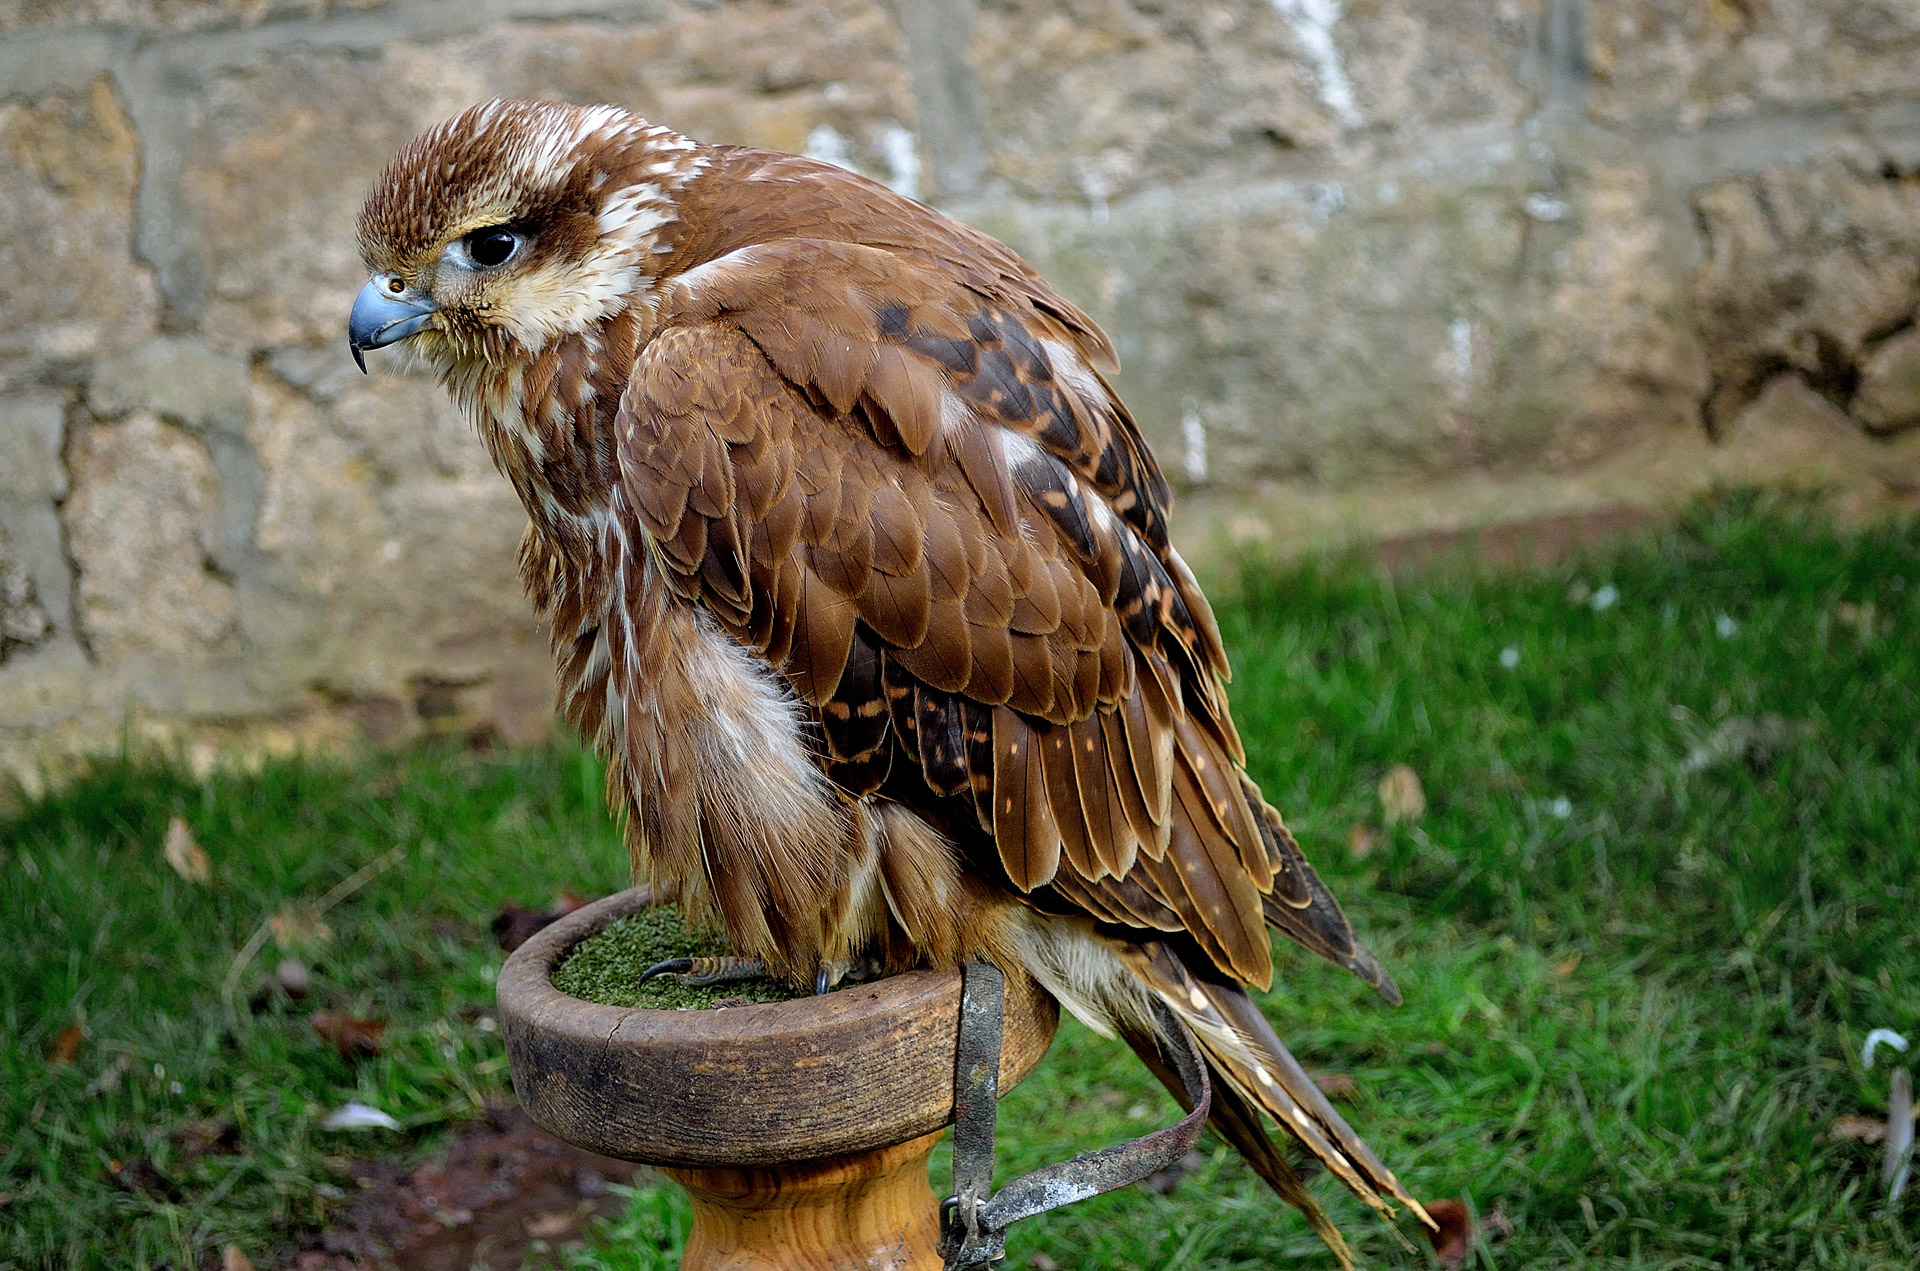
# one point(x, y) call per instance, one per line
point(1638, 968)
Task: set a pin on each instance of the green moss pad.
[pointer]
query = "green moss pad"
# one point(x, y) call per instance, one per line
point(606, 966)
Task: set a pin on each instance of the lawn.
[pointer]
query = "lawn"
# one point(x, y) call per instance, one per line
point(1665, 883)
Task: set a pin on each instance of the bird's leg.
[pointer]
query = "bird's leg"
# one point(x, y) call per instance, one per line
point(700, 973)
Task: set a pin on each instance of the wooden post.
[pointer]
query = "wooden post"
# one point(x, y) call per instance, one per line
point(870, 1210)
point(800, 1129)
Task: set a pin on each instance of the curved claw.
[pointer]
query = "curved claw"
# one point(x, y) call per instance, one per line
point(822, 981)
point(672, 966)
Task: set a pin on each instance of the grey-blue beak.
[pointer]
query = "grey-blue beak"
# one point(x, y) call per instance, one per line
point(382, 316)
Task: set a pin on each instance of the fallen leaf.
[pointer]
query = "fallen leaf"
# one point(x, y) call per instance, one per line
point(550, 1225)
point(293, 978)
point(231, 1259)
point(358, 1116)
point(108, 1082)
point(1401, 798)
point(1041, 1262)
point(1567, 966)
point(139, 1176)
point(1362, 839)
point(350, 1035)
point(298, 926)
point(187, 857)
point(514, 925)
point(1454, 1236)
point(1168, 1180)
point(1862, 1129)
point(1859, 617)
point(1755, 740)
point(1899, 1154)
point(1336, 1085)
point(215, 1137)
point(66, 1044)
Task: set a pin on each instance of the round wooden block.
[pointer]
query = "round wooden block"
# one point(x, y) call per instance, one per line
point(870, 1212)
point(869, 1066)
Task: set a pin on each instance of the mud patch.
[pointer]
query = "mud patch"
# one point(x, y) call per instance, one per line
point(476, 1206)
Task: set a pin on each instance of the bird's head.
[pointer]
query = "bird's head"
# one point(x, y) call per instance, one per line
point(512, 225)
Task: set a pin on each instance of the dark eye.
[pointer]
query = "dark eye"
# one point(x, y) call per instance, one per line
point(489, 248)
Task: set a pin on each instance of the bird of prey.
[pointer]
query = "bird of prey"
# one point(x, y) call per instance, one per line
point(858, 576)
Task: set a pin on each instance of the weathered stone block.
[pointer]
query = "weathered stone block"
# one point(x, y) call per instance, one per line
point(278, 160)
point(145, 496)
point(23, 623)
point(1685, 61)
point(69, 165)
point(152, 15)
point(32, 482)
point(828, 76)
point(1408, 325)
point(1888, 397)
point(1810, 268)
point(384, 514)
point(279, 156)
point(1096, 99)
point(178, 379)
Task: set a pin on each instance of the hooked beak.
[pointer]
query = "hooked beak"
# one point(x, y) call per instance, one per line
point(381, 317)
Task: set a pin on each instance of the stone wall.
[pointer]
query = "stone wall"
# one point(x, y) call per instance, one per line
point(1376, 267)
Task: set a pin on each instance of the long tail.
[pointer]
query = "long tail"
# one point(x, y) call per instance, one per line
point(1254, 1072)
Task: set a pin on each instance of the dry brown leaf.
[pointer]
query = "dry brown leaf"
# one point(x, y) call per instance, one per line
point(1864, 1129)
point(350, 1035)
point(513, 926)
point(1860, 617)
point(1041, 1262)
point(1567, 966)
point(1401, 797)
point(66, 1044)
point(1362, 839)
point(292, 977)
point(1454, 1235)
point(186, 856)
point(231, 1259)
point(551, 1225)
point(297, 926)
point(1336, 1085)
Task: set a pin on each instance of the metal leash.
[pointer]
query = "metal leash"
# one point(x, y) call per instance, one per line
point(974, 1220)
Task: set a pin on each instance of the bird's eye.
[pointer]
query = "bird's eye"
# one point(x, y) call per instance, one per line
point(491, 248)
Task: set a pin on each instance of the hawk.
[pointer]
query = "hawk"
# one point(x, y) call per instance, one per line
point(858, 577)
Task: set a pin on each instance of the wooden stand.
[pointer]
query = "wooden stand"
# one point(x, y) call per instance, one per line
point(800, 1129)
point(870, 1210)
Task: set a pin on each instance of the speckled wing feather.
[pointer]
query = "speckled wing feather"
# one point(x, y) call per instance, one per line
point(854, 460)
point(909, 490)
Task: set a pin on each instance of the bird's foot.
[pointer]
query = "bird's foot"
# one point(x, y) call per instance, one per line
point(832, 975)
point(700, 973)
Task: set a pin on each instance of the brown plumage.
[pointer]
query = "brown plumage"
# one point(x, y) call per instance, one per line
point(858, 575)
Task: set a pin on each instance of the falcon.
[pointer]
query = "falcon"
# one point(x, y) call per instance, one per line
point(858, 576)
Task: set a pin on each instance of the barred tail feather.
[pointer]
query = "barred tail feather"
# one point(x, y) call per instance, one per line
point(1238, 1122)
point(1241, 1047)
